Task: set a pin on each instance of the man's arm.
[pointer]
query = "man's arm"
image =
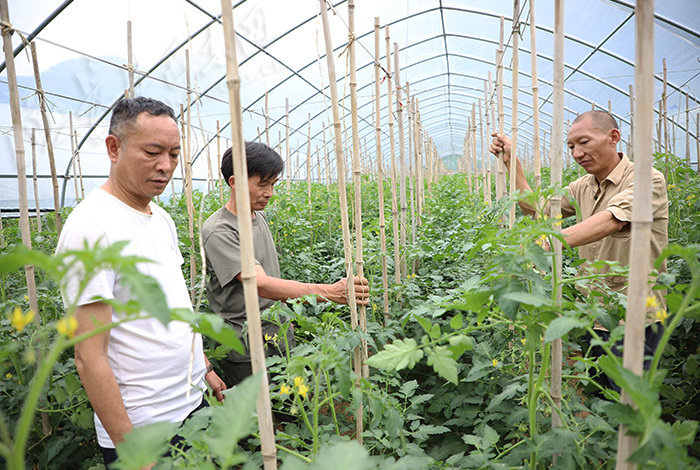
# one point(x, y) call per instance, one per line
point(217, 385)
point(95, 372)
point(592, 229)
point(501, 143)
point(282, 289)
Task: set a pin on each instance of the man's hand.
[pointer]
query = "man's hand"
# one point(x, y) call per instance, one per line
point(501, 143)
point(217, 385)
point(338, 292)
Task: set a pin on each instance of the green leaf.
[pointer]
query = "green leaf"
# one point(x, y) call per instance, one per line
point(440, 358)
point(144, 445)
point(424, 322)
point(528, 299)
point(343, 456)
point(398, 355)
point(456, 322)
point(459, 344)
point(561, 326)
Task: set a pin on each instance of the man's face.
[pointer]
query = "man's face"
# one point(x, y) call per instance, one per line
point(593, 149)
point(261, 191)
point(144, 160)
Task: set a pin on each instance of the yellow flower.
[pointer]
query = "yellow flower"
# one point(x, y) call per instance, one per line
point(21, 320)
point(652, 302)
point(303, 390)
point(267, 337)
point(8, 375)
point(67, 326)
point(26, 297)
point(541, 240)
point(522, 341)
point(298, 381)
point(671, 186)
point(559, 221)
point(662, 315)
point(495, 362)
point(285, 390)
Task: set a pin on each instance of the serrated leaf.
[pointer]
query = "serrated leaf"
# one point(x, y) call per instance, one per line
point(398, 355)
point(424, 322)
point(440, 358)
point(528, 298)
point(144, 445)
point(561, 326)
point(456, 322)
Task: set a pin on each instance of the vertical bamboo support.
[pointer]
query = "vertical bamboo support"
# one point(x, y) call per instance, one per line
point(308, 166)
point(210, 171)
point(130, 58)
point(47, 134)
point(218, 160)
point(631, 121)
point(402, 156)
point(73, 157)
point(287, 150)
point(361, 369)
point(250, 289)
point(557, 144)
point(325, 156)
point(697, 141)
point(80, 168)
point(501, 113)
point(642, 216)
point(380, 172)
point(664, 107)
point(267, 121)
point(483, 151)
point(394, 202)
point(535, 99)
point(318, 165)
point(37, 208)
point(514, 107)
point(472, 131)
point(188, 177)
point(487, 157)
point(420, 187)
point(340, 171)
point(411, 159)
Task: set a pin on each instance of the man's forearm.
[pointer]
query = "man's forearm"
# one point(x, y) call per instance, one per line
point(592, 229)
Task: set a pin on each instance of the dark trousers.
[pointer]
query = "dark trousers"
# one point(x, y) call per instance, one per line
point(652, 336)
point(110, 455)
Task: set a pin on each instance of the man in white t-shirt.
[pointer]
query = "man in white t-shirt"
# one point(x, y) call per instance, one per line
point(137, 372)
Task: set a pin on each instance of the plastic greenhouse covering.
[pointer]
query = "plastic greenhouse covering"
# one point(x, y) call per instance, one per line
point(447, 50)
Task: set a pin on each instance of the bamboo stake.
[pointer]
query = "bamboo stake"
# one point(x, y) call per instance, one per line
point(308, 166)
point(642, 216)
point(380, 172)
point(267, 121)
point(402, 157)
point(250, 289)
point(218, 160)
point(210, 171)
point(473, 155)
point(420, 187)
point(411, 158)
point(341, 175)
point(664, 105)
point(130, 58)
point(325, 155)
point(72, 152)
point(80, 168)
point(535, 99)
point(37, 209)
point(47, 134)
point(188, 177)
point(697, 141)
point(286, 126)
point(318, 165)
point(557, 145)
point(361, 368)
point(514, 104)
point(631, 119)
point(487, 158)
point(394, 202)
point(501, 113)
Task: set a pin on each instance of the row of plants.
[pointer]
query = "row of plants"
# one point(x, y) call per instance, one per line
point(459, 374)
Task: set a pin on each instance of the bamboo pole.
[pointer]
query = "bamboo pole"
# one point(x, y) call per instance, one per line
point(411, 159)
point(420, 187)
point(80, 167)
point(557, 145)
point(267, 121)
point(402, 157)
point(501, 113)
point(394, 202)
point(472, 131)
point(514, 108)
point(37, 209)
point(697, 140)
point(664, 106)
point(188, 177)
point(286, 126)
point(130, 58)
point(487, 157)
point(250, 289)
point(380, 172)
point(210, 171)
point(631, 119)
point(642, 216)
point(47, 135)
point(325, 155)
point(535, 99)
point(341, 176)
point(73, 156)
point(218, 160)
point(308, 166)
point(361, 368)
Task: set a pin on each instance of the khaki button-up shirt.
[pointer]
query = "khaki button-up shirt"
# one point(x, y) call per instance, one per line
point(616, 194)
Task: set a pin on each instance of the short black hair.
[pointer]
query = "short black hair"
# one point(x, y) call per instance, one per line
point(127, 110)
point(600, 119)
point(261, 159)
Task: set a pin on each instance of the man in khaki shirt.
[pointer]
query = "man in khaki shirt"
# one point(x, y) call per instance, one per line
point(605, 198)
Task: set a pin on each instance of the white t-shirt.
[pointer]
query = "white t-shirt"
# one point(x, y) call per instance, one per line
point(150, 361)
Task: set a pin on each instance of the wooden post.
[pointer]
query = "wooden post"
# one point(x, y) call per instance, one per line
point(47, 134)
point(130, 59)
point(535, 99)
point(402, 156)
point(501, 113)
point(250, 289)
point(37, 208)
point(642, 216)
point(557, 145)
point(394, 203)
point(514, 104)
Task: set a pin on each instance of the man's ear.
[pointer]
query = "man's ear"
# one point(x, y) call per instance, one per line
point(230, 181)
point(113, 144)
point(615, 136)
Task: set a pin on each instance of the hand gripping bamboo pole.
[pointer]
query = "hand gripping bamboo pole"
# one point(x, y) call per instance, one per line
point(47, 134)
point(361, 369)
point(380, 172)
point(37, 209)
point(394, 202)
point(556, 178)
point(535, 99)
point(250, 289)
point(332, 84)
point(501, 112)
point(514, 108)
point(402, 157)
point(642, 216)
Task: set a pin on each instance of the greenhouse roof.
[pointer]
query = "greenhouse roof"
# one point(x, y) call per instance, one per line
point(447, 50)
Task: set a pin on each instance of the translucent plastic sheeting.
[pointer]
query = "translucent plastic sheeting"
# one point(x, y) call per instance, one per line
point(447, 49)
